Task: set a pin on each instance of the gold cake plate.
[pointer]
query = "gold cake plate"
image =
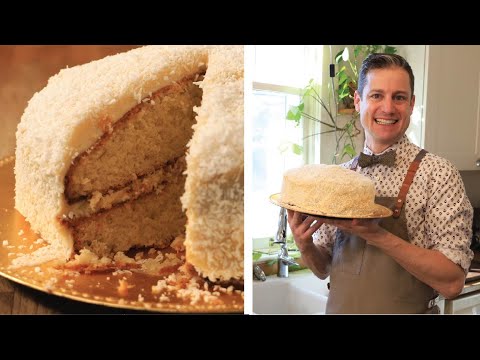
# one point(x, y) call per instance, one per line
point(126, 289)
point(375, 212)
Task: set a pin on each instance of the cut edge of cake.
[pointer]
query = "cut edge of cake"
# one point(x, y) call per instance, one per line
point(79, 105)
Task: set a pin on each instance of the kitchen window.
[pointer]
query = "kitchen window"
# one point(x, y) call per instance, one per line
point(280, 72)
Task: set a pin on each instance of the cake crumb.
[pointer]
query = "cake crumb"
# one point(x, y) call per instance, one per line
point(178, 243)
point(86, 257)
point(121, 258)
point(21, 232)
point(147, 305)
point(123, 287)
point(188, 287)
point(121, 272)
point(51, 284)
point(164, 298)
point(5, 242)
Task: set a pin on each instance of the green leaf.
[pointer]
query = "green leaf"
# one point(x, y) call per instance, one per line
point(342, 77)
point(356, 50)
point(348, 150)
point(343, 90)
point(338, 57)
point(390, 49)
point(295, 113)
point(297, 149)
point(272, 262)
point(295, 267)
point(349, 128)
point(308, 91)
point(256, 256)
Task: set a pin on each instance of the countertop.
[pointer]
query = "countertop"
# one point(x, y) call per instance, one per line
point(472, 283)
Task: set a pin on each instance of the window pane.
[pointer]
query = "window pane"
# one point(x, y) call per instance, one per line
point(272, 141)
point(280, 65)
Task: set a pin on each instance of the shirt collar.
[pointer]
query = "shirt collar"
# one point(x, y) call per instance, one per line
point(399, 144)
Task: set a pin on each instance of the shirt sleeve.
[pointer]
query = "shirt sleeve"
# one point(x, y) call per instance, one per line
point(325, 237)
point(449, 215)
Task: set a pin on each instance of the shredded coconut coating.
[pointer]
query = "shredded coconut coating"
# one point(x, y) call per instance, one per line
point(329, 189)
point(213, 196)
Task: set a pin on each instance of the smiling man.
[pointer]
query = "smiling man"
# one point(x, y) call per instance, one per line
point(398, 264)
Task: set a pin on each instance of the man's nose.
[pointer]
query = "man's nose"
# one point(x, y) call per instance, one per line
point(388, 105)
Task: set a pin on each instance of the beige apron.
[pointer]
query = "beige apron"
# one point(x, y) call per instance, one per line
point(364, 280)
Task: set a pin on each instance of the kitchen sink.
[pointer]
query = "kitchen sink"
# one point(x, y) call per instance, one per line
point(300, 293)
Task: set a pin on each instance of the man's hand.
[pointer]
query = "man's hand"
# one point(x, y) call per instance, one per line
point(302, 228)
point(315, 257)
point(368, 229)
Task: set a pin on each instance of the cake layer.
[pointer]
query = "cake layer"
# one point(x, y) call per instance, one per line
point(170, 172)
point(149, 135)
point(153, 219)
point(330, 189)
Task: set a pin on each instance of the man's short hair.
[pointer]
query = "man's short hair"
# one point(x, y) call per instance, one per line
point(383, 61)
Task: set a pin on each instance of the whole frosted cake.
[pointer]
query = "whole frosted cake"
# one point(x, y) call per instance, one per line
point(135, 150)
point(330, 190)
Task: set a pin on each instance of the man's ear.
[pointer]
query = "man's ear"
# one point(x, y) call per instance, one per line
point(356, 101)
point(412, 104)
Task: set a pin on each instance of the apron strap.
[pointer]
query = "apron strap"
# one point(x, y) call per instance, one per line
point(402, 195)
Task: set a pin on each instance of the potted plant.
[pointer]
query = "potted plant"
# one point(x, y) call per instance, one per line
point(341, 120)
point(347, 75)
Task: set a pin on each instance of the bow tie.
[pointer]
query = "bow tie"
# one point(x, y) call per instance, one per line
point(387, 159)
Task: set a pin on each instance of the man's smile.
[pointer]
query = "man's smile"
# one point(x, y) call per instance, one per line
point(386, 121)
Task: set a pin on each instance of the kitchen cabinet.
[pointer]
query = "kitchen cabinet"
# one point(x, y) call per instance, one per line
point(452, 104)
point(468, 302)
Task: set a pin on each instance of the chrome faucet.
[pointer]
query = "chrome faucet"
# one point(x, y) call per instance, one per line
point(283, 259)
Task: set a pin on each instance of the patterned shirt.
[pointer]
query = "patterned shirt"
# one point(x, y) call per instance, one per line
point(439, 214)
